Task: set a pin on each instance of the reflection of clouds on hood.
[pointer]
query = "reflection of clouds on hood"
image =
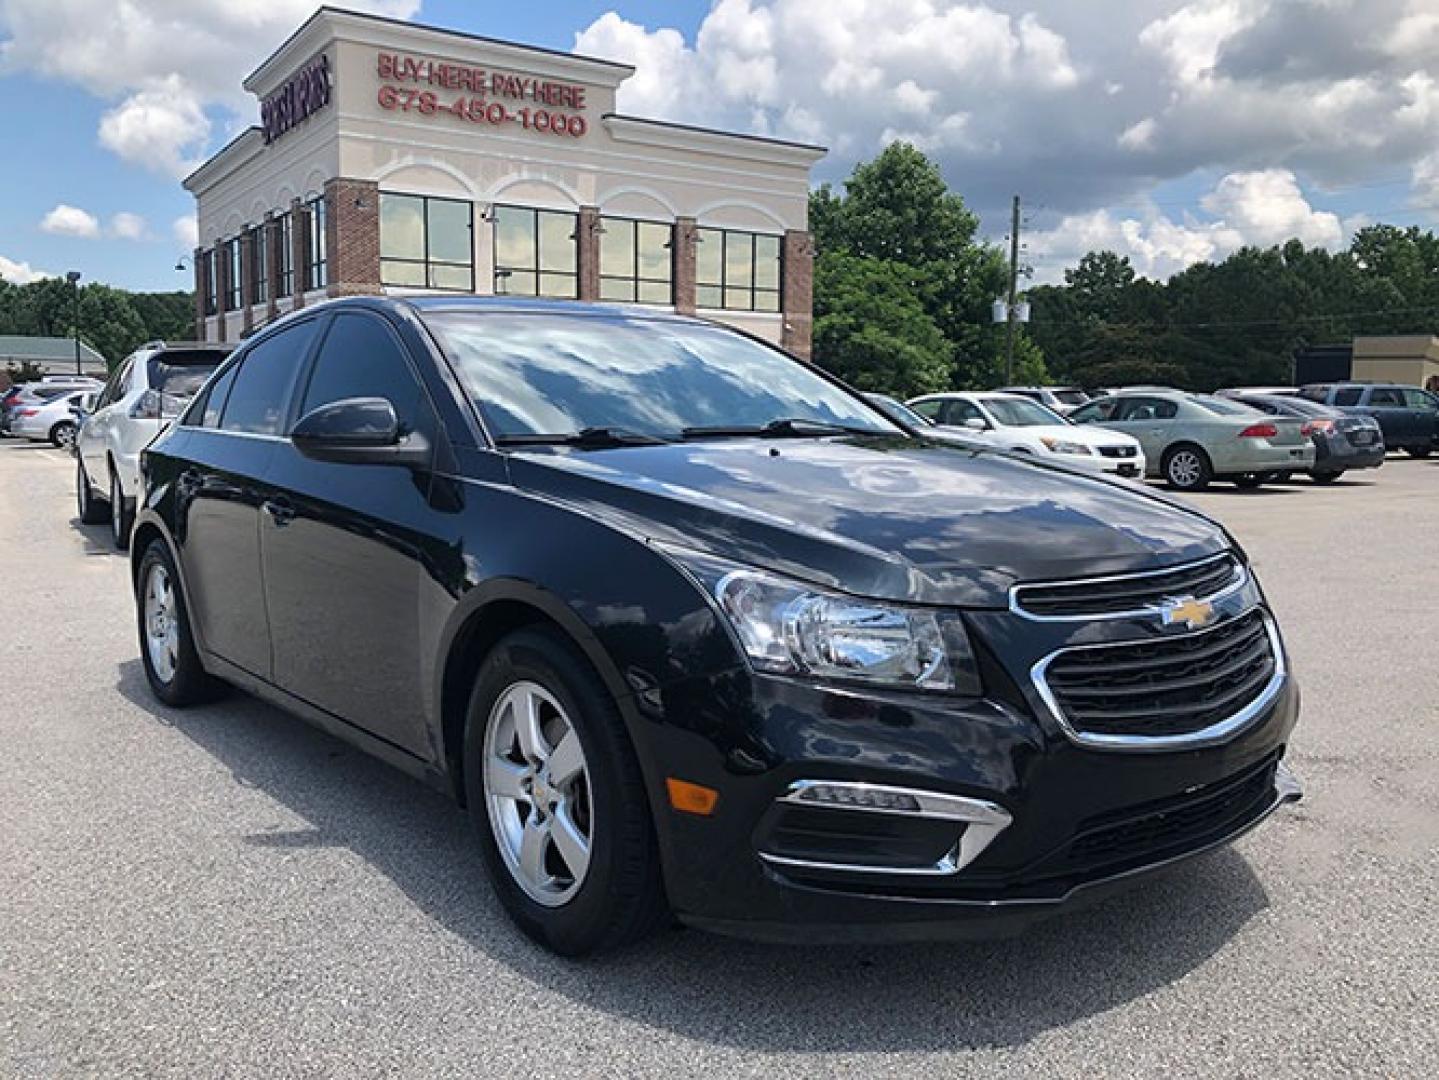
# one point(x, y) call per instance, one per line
point(918, 522)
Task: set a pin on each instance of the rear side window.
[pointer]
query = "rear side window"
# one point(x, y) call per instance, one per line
point(928, 409)
point(1348, 395)
point(1418, 399)
point(957, 411)
point(262, 382)
point(1386, 397)
point(360, 357)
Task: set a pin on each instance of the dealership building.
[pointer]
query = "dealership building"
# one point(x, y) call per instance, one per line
point(394, 158)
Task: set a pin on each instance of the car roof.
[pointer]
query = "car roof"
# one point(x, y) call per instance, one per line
point(534, 305)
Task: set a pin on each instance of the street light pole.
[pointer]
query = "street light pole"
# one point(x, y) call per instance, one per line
point(1013, 296)
point(73, 277)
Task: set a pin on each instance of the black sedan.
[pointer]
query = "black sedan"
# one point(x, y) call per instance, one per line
point(1342, 441)
point(691, 628)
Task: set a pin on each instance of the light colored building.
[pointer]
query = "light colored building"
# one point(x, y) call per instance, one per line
point(1410, 359)
point(397, 158)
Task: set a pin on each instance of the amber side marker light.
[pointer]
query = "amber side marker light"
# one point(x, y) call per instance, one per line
point(691, 798)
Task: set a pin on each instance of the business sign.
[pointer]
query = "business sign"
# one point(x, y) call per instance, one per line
point(303, 94)
point(440, 90)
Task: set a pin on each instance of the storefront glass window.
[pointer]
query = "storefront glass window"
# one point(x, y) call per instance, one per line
point(738, 271)
point(635, 264)
point(284, 237)
point(259, 265)
point(535, 253)
point(427, 243)
point(211, 281)
point(319, 270)
point(232, 293)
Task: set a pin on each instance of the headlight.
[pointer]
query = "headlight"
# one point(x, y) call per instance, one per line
point(1060, 446)
point(794, 628)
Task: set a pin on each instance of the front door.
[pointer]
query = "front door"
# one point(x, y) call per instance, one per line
point(344, 547)
point(1148, 420)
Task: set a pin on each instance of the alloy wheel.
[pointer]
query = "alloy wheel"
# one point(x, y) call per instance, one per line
point(162, 628)
point(65, 436)
point(537, 790)
point(1185, 468)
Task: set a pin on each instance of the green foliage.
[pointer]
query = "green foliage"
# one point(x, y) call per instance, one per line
point(871, 330)
point(112, 321)
point(902, 289)
point(1238, 321)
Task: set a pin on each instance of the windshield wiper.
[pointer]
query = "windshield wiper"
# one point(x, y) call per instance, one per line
point(794, 427)
point(590, 438)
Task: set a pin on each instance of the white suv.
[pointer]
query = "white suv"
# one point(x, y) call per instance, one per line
point(147, 391)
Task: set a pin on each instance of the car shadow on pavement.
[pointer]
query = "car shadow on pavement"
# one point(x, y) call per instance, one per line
point(753, 997)
point(96, 538)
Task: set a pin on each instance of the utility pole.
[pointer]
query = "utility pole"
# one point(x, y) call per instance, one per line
point(73, 277)
point(1013, 296)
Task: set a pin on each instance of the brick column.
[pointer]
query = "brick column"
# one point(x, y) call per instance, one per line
point(587, 243)
point(247, 281)
point(299, 252)
point(271, 255)
point(202, 278)
point(684, 247)
point(797, 292)
point(222, 286)
point(352, 236)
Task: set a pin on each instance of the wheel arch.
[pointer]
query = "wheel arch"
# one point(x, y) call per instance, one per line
point(487, 615)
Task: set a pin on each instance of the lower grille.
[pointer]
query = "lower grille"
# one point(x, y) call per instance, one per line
point(1173, 689)
point(1124, 594)
point(1117, 451)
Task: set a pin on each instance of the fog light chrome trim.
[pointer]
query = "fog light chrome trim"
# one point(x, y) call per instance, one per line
point(982, 821)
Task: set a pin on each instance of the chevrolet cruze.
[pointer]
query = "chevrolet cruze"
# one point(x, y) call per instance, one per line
point(691, 629)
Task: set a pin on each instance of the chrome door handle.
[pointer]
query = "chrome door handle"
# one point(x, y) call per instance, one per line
point(280, 511)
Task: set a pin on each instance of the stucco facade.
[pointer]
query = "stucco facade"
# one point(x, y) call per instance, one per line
point(403, 158)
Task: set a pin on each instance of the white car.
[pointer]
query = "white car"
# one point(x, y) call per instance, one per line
point(1061, 399)
point(148, 390)
point(1015, 423)
point(50, 420)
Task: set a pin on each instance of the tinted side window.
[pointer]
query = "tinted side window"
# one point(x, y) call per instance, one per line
point(113, 389)
point(1138, 410)
point(257, 398)
point(1095, 411)
point(928, 409)
point(1386, 397)
point(957, 412)
point(360, 357)
point(1418, 399)
point(1348, 395)
point(215, 398)
point(1263, 406)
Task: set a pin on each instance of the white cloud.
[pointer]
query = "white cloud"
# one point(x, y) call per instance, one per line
point(66, 220)
point(164, 63)
point(128, 226)
point(186, 231)
point(20, 273)
point(1248, 209)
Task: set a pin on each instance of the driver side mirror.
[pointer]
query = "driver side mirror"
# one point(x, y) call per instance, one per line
point(359, 431)
point(974, 423)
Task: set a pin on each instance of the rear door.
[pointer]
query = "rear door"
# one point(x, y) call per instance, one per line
point(1423, 414)
point(345, 545)
point(223, 486)
point(1386, 404)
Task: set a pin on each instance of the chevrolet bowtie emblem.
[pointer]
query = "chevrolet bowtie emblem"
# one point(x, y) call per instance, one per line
point(1187, 610)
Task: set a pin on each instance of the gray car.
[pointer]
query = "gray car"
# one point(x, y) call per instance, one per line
point(1191, 439)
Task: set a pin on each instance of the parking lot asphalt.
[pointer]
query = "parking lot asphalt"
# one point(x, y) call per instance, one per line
point(225, 891)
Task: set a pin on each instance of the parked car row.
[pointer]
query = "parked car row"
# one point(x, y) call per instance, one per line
point(694, 630)
point(44, 410)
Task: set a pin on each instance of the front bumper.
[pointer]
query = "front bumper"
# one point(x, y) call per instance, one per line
point(1131, 467)
point(1083, 821)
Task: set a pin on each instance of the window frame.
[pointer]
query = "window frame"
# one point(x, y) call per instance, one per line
point(634, 279)
point(427, 263)
point(704, 235)
point(317, 272)
point(505, 272)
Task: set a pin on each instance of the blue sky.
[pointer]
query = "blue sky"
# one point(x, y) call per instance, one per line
point(1171, 130)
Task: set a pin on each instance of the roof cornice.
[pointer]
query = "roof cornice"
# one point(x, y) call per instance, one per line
point(662, 133)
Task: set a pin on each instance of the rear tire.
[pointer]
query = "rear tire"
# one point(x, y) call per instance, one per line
point(617, 896)
point(122, 516)
point(1187, 468)
point(1251, 481)
point(167, 646)
point(1419, 451)
point(62, 435)
point(90, 509)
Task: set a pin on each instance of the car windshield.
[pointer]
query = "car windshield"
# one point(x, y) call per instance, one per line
point(1021, 412)
point(181, 374)
point(1222, 406)
point(1071, 397)
point(541, 374)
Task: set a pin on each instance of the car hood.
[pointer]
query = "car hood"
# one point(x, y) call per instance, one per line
point(1075, 433)
point(897, 518)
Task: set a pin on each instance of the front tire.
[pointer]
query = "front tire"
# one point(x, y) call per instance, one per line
point(1251, 481)
point(167, 645)
point(90, 510)
point(1187, 468)
point(557, 799)
point(122, 517)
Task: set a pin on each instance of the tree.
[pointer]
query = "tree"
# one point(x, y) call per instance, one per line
point(113, 321)
point(871, 330)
